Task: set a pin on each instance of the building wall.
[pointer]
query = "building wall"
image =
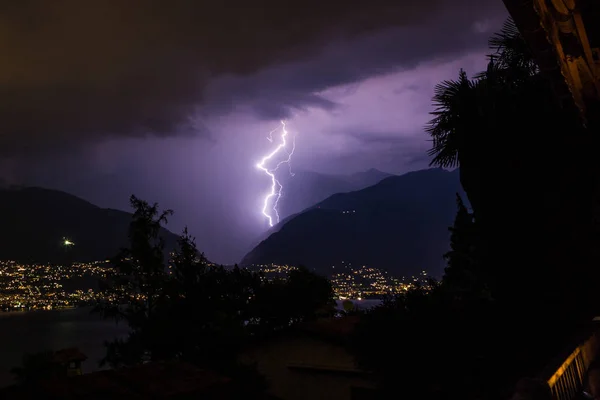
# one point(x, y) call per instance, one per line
point(273, 359)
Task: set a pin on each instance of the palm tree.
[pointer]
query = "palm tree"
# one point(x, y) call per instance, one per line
point(504, 129)
point(511, 51)
point(452, 101)
point(469, 113)
point(455, 129)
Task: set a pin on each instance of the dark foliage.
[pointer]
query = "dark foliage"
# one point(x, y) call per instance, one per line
point(446, 325)
point(517, 284)
point(511, 52)
point(284, 302)
point(195, 311)
point(464, 275)
point(503, 128)
point(427, 345)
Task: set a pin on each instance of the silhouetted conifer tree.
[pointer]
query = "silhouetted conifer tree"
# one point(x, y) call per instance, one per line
point(464, 275)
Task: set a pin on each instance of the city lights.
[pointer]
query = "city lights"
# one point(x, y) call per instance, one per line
point(350, 282)
point(46, 286)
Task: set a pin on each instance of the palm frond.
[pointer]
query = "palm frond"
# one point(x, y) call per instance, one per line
point(511, 51)
point(505, 37)
point(452, 103)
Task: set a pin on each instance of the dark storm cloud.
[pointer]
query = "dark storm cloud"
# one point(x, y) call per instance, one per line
point(278, 105)
point(391, 151)
point(73, 69)
point(449, 31)
point(393, 155)
point(403, 149)
point(381, 138)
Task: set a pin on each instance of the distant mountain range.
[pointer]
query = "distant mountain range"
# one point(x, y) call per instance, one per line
point(305, 188)
point(368, 177)
point(301, 191)
point(400, 223)
point(34, 222)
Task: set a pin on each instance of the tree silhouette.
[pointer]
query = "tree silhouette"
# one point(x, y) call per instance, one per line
point(500, 128)
point(429, 344)
point(138, 284)
point(189, 309)
point(512, 53)
point(477, 122)
point(464, 274)
point(211, 306)
point(300, 297)
point(452, 124)
point(517, 281)
point(456, 128)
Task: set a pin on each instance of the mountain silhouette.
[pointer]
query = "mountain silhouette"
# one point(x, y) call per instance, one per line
point(36, 221)
point(369, 177)
point(305, 188)
point(400, 224)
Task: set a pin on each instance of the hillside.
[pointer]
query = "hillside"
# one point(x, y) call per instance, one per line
point(36, 220)
point(368, 177)
point(400, 224)
point(306, 188)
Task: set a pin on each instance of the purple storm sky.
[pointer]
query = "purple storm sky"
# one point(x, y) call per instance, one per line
point(172, 101)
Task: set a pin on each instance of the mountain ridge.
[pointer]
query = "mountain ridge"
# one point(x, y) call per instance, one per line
point(368, 226)
point(345, 183)
point(306, 188)
point(40, 219)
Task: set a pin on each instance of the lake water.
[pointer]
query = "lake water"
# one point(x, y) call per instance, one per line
point(30, 332)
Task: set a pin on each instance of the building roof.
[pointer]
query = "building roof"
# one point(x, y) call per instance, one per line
point(68, 355)
point(164, 380)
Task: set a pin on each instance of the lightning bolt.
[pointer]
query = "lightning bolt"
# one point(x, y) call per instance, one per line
point(276, 187)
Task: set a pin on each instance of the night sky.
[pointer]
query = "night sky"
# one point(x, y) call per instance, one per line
point(173, 100)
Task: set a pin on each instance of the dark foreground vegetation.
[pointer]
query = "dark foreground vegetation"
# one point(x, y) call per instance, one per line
point(520, 278)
